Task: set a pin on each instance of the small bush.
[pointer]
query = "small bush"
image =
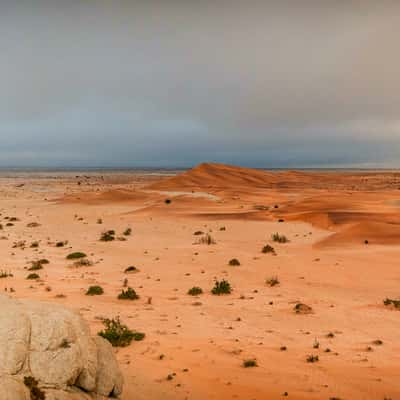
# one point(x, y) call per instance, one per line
point(76, 255)
point(83, 262)
point(195, 291)
point(128, 232)
point(392, 302)
point(5, 274)
point(168, 201)
point(206, 239)
point(107, 236)
point(268, 249)
point(276, 237)
point(34, 245)
point(94, 291)
point(198, 233)
point(249, 363)
point(61, 244)
point(221, 287)
point(118, 334)
point(33, 276)
point(131, 269)
point(312, 359)
point(128, 294)
point(234, 262)
point(272, 281)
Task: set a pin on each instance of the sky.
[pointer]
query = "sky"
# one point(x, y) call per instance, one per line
point(172, 83)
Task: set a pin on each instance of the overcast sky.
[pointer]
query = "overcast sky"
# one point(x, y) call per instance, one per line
point(175, 82)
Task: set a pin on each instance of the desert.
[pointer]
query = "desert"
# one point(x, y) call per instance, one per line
point(294, 275)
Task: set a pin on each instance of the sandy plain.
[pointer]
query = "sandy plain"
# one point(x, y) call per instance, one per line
point(342, 260)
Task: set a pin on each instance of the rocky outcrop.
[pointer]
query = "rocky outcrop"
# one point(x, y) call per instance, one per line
point(52, 347)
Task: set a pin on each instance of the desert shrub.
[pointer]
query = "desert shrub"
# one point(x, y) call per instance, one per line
point(107, 236)
point(312, 359)
point(195, 291)
point(131, 269)
point(168, 201)
point(76, 255)
point(301, 308)
point(392, 302)
point(272, 281)
point(33, 225)
point(234, 262)
point(83, 262)
point(128, 294)
point(249, 363)
point(268, 249)
point(34, 245)
point(61, 244)
point(128, 232)
point(276, 237)
point(94, 291)
point(35, 266)
point(99, 221)
point(33, 276)
point(5, 274)
point(118, 334)
point(221, 287)
point(32, 384)
point(206, 239)
point(198, 233)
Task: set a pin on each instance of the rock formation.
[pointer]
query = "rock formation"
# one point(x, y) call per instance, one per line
point(47, 352)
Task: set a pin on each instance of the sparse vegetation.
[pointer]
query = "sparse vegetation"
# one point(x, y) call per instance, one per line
point(131, 269)
point(276, 237)
point(107, 236)
point(118, 334)
point(249, 363)
point(33, 276)
point(273, 281)
point(83, 262)
point(392, 302)
point(221, 287)
point(128, 294)
point(76, 255)
point(234, 262)
point(128, 232)
point(94, 291)
point(268, 249)
point(168, 201)
point(312, 359)
point(5, 274)
point(206, 239)
point(195, 291)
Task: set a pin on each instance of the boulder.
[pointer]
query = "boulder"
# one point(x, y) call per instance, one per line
point(47, 352)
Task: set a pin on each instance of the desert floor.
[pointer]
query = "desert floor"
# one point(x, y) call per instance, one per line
point(342, 260)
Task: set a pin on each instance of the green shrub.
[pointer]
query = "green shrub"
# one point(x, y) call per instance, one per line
point(128, 232)
point(195, 291)
point(76, 255)
point(118, 334)
point(33, 276)
point(268, 249)
point(234, 262)
point(94, 291)
point(83, 262)
point(395, 303)
point(249, 363)
point(276, 237)
point(221, 287)
point(272, 281)
point(128, 294)
point(131, 269)
point(107, 236)
point(206, 239)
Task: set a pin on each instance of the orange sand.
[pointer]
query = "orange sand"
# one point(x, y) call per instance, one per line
point(204, 340)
